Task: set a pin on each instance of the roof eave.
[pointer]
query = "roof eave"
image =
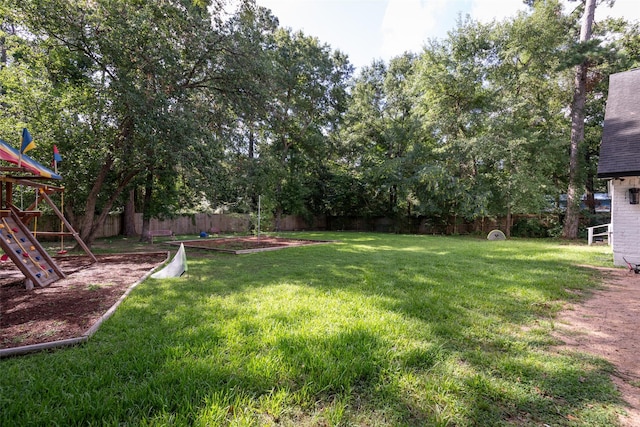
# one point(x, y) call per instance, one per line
point(614, 175)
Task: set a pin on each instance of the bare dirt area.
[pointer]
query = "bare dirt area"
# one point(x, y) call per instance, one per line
point(249, 244)
point(606, 325)
point(68, 307)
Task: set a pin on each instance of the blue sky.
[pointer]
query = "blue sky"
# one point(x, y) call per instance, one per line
point(381, 29)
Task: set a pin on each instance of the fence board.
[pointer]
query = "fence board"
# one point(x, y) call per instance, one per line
point(242, 223)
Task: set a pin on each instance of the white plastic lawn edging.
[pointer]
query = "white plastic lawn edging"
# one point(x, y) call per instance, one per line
point(32, 348)
point(176, 268)
point(16, 351)
point(92, 330)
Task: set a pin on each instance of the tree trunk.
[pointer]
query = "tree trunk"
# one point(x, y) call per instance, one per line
point(145, 235)
point(572, 217)
point(89, 224)
point(129, 217)
point(86, 222)
point(278, 218)
point(3, 51)
point(393, 200)
point(591, 198)
point(108, 205)
point(251, 144)
point(67, 209)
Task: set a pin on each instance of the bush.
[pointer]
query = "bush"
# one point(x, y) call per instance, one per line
point(530, 227)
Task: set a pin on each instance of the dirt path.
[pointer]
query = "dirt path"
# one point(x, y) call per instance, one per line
point(606, 325)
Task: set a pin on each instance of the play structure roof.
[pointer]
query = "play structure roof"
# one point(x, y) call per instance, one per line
point(619, 151)
point(11, 155)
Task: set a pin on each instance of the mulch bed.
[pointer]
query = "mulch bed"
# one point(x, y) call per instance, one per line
point(244, 245)
point(66, 308)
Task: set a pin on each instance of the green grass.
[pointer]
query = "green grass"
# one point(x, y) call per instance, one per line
point(376, 330)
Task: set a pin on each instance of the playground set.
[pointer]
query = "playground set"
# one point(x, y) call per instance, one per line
point(19, 243)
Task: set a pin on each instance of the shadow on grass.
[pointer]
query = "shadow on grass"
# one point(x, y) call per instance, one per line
point(379, 330)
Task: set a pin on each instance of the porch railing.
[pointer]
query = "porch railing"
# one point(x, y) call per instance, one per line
point(596, 231)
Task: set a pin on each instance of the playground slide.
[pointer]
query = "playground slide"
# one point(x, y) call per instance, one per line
point(26, 252)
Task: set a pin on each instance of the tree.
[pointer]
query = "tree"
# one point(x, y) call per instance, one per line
point(380, 136)
point(620, 53)
point(242, 173)
point(527, 143)
point(454, 104)
point(574, 193)
point(151, 66)
point(308, 101)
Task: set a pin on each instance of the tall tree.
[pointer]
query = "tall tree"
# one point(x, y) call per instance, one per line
point(380, 135)
point(525, 149)
point(146, 62)
point(454, 104)
point(309, 99)
point(574, 190)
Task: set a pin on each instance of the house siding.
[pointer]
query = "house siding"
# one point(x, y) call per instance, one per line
point(625, 221)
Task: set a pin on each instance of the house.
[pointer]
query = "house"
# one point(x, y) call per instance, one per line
point(620, 163)
point(602, 202)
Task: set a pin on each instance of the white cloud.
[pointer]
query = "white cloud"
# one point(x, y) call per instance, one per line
point(488, 10)
point(368, 29)
point(407, 24)
point(628, 9)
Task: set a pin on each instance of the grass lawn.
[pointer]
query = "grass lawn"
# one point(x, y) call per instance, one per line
point(376, 330)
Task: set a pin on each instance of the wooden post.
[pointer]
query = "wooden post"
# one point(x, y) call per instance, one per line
point(76, 236)
point(9, 198)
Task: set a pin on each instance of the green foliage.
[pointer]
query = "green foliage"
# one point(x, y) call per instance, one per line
point(197, 109)
point(370, 330)
point(530, 227)
point(489, 102)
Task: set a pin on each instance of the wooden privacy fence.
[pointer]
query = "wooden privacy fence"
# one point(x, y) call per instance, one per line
point(187, 224)
point(243, 223)
point(195, 224)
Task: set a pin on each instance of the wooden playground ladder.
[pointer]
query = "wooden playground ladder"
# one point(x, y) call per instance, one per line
point(26, 252)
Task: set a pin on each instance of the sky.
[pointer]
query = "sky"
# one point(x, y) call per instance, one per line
point(382, 29)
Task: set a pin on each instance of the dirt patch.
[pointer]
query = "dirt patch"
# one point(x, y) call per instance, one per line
point(245, 245)
point(606, 325)
point(67, 307)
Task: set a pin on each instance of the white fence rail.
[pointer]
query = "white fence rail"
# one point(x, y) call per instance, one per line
point(593, 234)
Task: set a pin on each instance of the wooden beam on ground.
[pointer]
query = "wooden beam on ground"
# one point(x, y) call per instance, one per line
point(54, 233)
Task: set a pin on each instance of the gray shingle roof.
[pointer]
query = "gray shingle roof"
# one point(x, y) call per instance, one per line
point(620, 148)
